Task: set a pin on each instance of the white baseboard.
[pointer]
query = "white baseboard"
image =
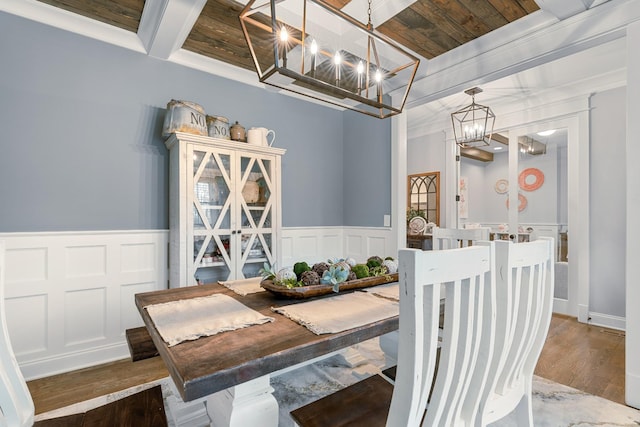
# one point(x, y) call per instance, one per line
point(583, 313)
point(61, 363)
point(607, 321)
point(632, 390)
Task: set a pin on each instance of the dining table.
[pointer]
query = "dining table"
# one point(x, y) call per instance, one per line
point(232, 369)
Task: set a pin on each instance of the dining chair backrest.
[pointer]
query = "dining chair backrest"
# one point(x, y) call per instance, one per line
point(524, 289)
point(467, 343)
point(450, 238)
point(16, 405)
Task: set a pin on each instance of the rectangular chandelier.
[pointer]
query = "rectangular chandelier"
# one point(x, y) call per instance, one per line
point(311, 48)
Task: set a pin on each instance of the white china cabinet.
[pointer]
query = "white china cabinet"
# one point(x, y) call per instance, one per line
point(224, 209)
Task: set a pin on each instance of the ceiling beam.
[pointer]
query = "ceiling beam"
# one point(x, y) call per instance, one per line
point(476, 154)
point(499, 138)
point(166, 24)
point(59, 18)
point(562, 9)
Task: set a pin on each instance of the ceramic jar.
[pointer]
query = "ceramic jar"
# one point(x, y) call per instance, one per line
point(237, 132)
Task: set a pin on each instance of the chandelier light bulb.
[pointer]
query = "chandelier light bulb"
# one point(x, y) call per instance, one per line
point(314, 57)
point(360, 67)
point(337, 59)
point(284, 34)
point(378, 76)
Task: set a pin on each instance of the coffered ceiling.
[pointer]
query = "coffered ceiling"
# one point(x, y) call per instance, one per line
point(427, 27)
point(447, 35)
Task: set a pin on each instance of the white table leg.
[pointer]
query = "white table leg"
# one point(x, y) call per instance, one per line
point(248, 404)
point(389, 345)
point(352, 357)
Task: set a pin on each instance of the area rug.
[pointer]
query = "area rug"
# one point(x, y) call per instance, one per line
point(554, 405)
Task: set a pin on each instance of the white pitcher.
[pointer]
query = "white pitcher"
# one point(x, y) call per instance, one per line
point(260, 136)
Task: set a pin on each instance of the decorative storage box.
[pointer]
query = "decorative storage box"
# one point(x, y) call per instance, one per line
point(185, 116)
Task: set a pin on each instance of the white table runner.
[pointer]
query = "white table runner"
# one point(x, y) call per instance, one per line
point(339, 313)
point(189, 319)
point(244, 286)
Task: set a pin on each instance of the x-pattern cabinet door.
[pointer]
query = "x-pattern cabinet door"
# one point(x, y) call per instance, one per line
point(227, 223)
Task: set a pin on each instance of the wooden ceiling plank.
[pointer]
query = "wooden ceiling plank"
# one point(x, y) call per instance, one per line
point(443, 22)
point(486, 12)
point(123, 14)
point(429, 28)
point(217, 34)
point(460, 14)
point(381, 11)
point(413, 22)
point(222, 48)
point(529, 6)
point(510, 9)
point(398, 32)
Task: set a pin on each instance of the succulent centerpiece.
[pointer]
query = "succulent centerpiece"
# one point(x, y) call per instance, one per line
point(333, 275)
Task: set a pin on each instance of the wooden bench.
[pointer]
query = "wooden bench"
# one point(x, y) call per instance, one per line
point(143, 409)
point(141, 345)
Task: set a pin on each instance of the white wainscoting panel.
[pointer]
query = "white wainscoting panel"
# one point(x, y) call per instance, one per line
point(363, 242)
point(315, 244)
point(70, 295)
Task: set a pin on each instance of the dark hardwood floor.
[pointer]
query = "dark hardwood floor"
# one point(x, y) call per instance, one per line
point(584, 357)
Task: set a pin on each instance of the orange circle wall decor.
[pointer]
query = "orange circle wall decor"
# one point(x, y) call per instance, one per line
point(522, 202)
point(525, 174)
point(502, 186)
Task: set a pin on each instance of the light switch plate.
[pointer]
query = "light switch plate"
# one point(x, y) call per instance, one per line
point(387, 220)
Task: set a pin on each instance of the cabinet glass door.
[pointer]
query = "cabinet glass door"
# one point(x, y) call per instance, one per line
point(256, 213)
point(212, 216)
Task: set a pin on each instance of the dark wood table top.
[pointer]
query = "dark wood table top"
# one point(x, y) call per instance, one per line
point(210, 364)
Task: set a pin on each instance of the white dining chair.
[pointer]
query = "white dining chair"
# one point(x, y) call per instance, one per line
point(16, 405)
point(524, 289)
point(454, 389)
point(442, 238)
point(449, 238)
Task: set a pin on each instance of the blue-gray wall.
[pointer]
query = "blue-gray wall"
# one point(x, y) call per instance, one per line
point(81, 147)
point(367, 170)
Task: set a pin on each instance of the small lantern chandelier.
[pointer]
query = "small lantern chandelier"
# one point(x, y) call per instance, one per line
point(473, 124)
point(313, 49)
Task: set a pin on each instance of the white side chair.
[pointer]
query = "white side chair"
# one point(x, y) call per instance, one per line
point(453, 390)
point(442, 238)
point(449, 238)
point(15, 400)
point(524, 305)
